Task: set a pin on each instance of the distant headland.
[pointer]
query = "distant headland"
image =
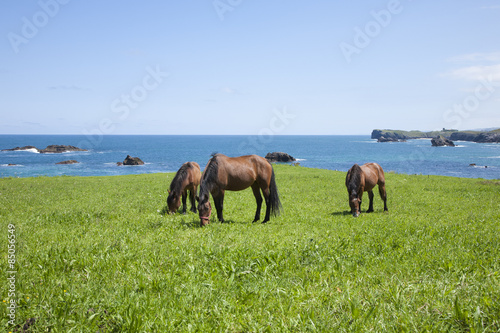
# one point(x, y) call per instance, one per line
point(387, 135)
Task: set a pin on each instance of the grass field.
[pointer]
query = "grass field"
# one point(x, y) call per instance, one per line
point(98, 254)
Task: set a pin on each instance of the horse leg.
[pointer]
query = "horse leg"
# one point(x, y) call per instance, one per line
point(192, 194)
point(268, 204)
point(370, 196)
point(383, 195)
point(258, 198)
point(184, 197)
point(360, 196)
point(219, 205)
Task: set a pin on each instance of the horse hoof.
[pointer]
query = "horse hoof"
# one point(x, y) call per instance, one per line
point(264, 221)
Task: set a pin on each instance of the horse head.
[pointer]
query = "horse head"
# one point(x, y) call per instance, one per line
point(354, 203)
point(204, 210)
point(173, 202)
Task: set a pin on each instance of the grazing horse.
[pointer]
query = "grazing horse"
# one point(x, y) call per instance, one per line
point(187, 178)
point(364, 178)
point(235, 174)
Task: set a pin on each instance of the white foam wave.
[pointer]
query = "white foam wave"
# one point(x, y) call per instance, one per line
point(30, 150)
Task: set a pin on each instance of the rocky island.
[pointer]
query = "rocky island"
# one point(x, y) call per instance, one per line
point(440, 141)
point(279, 157)
point(52, 149)
point(129, 160)
point(450, 134)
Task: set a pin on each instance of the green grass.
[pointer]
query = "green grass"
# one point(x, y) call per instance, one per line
point(97, 254)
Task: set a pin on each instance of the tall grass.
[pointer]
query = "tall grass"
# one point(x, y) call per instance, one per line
point(99, 254)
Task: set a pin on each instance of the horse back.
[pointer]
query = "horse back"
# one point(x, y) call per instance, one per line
point(238, 173)
point(194, 174)
point(374, 175)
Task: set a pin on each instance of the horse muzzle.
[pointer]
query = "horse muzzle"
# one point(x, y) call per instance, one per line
point(204, 220)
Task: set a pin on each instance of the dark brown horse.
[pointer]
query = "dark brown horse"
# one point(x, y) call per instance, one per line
point(364, 178)
point(235, 174)
point(186, 179)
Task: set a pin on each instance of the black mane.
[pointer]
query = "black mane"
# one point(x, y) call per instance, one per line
point(210, 177)
point(354, 179)
point(180, 176)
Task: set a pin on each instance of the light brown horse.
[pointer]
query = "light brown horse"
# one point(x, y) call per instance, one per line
point(224, 173)
point(364, 178)
point(186, 179)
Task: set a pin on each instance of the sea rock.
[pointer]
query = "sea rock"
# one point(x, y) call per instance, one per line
point(60, 149)
point(132, 161)
point(21, 148)
point(279, 157)
point(440, 140)
point(68, 162)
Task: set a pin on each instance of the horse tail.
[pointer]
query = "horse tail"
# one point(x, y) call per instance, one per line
point(274, 199)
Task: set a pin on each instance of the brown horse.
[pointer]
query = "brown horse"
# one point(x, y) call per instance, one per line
point(187, 178)
point(235, 174)
point(364, 178)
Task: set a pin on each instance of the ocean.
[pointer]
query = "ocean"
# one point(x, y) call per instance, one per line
point(166, 153)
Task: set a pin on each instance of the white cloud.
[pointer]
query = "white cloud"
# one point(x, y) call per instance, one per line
point(476, 73)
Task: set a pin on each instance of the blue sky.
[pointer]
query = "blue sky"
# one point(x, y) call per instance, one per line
point(248, 67)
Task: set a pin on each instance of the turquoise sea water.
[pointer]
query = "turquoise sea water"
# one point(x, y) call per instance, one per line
point(167, 153)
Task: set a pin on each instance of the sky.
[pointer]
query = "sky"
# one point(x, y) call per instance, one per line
point(248, 67)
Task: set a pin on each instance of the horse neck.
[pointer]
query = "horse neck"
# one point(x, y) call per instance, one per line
point(205, 190)
point(210, 176)
point(178, 183)
point(355, 181)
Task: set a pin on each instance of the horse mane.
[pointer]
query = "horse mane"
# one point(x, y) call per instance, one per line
point(210, 176)
point(354, 178)
point(180, 176)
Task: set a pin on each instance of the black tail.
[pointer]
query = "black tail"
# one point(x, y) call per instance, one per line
point(274, 198)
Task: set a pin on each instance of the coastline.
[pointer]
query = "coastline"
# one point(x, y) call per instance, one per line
point(167, 153)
